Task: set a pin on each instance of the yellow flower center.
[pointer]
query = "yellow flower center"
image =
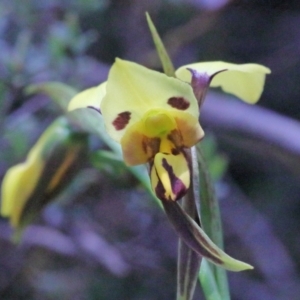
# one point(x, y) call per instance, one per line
point(158, 123)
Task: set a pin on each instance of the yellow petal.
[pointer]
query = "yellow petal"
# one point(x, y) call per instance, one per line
point(137, 148)
point(132, 90)
point(170, 176)
point(159, 131)
point(18, 184)
point(245, 81)
point(190, 130)
point(20, 181)
point(91, 97)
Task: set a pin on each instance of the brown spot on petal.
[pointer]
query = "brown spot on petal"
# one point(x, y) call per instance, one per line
point(179, 103)
point(160, 190)
point(150, 146)
point(178, 188)
point(121, 120)
point(175, 151)
point(175, 137)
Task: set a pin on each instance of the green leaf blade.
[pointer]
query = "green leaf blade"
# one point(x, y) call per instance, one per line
point(161, 50)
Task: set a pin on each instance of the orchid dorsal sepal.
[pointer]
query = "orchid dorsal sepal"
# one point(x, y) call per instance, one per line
point(132, 90)
point(89, 98)
point(194, 236)
point(245, 81)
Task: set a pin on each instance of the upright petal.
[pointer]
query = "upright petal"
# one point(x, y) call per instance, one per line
point(91, 97)
point(132, 90)
point(245, 81)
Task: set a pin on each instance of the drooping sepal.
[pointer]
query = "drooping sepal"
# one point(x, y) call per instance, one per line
point(193, 235)
point(49, 167)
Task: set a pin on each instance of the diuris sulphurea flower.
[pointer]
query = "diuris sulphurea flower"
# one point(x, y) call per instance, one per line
point(49, 167)
point(155, 117)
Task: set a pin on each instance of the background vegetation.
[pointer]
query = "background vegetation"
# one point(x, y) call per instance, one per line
point(104, 238)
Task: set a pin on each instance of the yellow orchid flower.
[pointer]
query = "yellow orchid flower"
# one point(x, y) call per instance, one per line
point(29, 186)
point(155, 117)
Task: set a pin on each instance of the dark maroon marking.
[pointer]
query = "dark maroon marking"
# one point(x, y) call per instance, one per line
point(175, 151)
point(160, 190)
point(121, 120)
point(175, 137)
point(96, 109)
point(150, 145)
point(179, 103)
point(177, 185)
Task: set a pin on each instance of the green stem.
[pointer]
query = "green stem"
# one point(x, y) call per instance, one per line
point(211, 222)
point(189, 261)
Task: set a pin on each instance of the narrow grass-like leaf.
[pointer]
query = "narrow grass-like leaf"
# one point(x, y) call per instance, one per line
point(161, 50)
point(208, 281)
point(211, 222)
point(188, 270)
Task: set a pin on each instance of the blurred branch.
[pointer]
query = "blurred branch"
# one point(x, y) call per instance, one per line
point(258, 240)
point(87, 244)
point(261, 130)
point(29, 107)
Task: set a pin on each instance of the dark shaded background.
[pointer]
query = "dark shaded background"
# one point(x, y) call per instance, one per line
point(105, 238)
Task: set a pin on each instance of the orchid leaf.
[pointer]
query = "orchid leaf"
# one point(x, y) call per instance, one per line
point(161, 50)
point(208, 281)
point(211, 222)
point(188, 270)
